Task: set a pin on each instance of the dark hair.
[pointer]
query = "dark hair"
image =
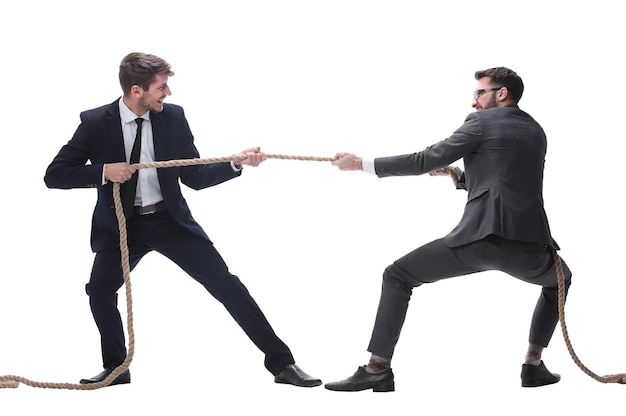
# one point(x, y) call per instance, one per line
point(139, 68)
point(504, 77)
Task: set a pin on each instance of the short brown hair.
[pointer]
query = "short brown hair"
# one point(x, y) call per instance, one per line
point(139, 68)
point(504, 77)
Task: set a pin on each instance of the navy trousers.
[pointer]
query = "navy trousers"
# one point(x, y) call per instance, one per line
point(194, 254)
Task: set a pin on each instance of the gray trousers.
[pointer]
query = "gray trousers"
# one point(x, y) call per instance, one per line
point(530, 262)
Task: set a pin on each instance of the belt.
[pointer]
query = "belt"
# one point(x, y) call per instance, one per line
point(150, 209)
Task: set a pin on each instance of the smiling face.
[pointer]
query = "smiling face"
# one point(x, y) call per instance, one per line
point(141, 101)
point(152, 99)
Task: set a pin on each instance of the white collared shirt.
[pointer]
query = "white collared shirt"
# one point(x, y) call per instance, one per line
point(148, 188)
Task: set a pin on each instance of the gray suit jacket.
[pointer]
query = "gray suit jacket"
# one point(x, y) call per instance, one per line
point(503, 151)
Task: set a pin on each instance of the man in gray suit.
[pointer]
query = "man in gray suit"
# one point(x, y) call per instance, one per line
point(504, 226)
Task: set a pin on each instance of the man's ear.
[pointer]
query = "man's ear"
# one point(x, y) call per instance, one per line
point(136, 90)
point(502, 94)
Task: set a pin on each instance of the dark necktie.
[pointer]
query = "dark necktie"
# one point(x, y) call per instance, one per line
point(131, 186)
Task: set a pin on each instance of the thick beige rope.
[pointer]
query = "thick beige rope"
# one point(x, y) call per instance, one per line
point(614, 378)
point(12, 381)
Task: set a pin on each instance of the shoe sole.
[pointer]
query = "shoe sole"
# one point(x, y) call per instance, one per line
point(538, 384)
point(314, 384)
point(377, 389)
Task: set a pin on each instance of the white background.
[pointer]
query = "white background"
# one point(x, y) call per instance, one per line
point(310, 242)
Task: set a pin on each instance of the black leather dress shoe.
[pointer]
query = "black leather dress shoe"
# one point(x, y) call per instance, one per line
point(123, 378)
point(362, 380)
point(292, 374)
point(538, 375)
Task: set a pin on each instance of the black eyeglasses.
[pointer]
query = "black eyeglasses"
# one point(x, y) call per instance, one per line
point(481, 91)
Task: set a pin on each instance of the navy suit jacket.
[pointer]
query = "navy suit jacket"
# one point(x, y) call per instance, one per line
point(503, 151)
point(98, 140)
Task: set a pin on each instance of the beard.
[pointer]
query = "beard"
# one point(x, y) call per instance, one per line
point(150, 104)
point(492, 102)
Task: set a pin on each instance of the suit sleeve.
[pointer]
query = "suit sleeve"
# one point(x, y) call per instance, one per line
point(462, 142)
point(70, 168)
point(201, 176)
point(461, 182)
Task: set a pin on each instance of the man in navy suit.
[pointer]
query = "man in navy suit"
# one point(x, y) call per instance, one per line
point(140, 126)
point(504, 226)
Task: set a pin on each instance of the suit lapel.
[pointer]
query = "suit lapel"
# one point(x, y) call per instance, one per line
point(158, 136)
point(114, 125)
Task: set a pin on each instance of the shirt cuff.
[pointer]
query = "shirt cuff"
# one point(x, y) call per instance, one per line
point(368, 166)
point(235, 168)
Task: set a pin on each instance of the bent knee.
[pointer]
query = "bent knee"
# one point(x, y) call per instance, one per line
point(99, 290)
point(395, 276)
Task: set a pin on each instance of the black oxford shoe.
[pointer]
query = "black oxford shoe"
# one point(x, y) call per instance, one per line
point(538, 375)
point(292, 374)
point(123, 378)
point(362, 380)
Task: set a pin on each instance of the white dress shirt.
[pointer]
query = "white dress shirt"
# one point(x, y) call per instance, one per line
point(148, 188)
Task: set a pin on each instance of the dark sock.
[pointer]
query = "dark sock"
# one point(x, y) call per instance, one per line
point(377, 364)
point(533, 358)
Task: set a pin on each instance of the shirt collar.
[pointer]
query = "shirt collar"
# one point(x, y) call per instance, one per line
point(127, 115)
